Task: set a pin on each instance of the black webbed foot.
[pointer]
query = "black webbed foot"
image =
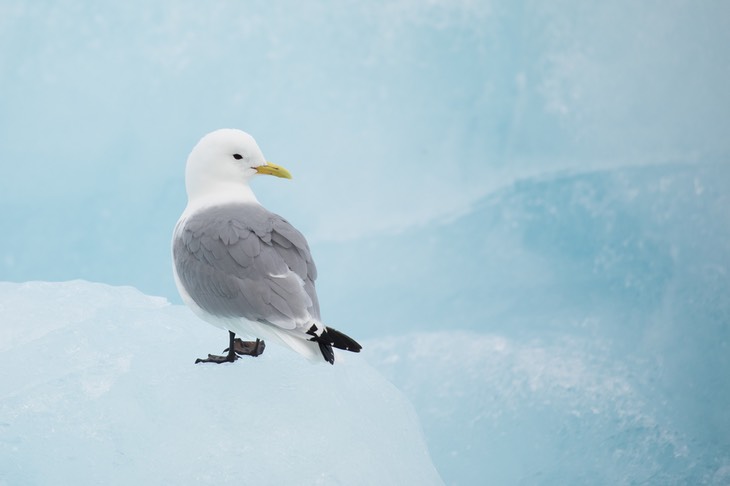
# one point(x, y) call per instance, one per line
point(236, 348)
point(248, 348)
point(214, 358)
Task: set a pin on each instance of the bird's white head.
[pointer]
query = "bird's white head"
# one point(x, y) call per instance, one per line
point(222, 164)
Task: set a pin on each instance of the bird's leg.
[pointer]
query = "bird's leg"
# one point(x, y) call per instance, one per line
point(236, 347)
point(229, 358)
point(248, 348)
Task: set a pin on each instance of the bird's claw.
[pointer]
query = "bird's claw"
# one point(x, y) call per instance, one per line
point(240, 348)
point(248, 348)
point(213, 358)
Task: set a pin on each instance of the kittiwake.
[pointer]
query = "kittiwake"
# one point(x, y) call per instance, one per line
point(241, 267)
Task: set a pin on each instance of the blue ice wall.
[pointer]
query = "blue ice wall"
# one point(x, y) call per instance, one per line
point(533, 170)
point(599, 321)
point(389, 114)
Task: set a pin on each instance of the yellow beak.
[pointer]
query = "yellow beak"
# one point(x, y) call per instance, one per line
point(274, 170)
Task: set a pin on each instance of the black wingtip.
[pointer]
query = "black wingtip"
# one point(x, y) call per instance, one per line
point(332, 337)
point(340, 340)
point(327, 352)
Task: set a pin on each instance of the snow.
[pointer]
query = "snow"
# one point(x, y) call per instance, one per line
point(99, 387)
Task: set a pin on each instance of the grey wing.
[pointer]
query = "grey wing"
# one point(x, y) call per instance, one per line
point(294, 250)
point(244, 261)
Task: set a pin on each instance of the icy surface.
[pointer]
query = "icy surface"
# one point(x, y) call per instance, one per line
point(527, 201)
point(550, 411)
point(98, 386)
point(600, 315)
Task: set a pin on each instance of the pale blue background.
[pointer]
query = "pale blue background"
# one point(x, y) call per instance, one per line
point(542, 170)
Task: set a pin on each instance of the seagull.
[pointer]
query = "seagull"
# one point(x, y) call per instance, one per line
point(240, 267)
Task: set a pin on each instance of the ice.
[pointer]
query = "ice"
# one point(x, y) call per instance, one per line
point(547, 410)
point(99, 387)
point(526, 200)
point(598, 309)
point(404, 111)
point(632, 247)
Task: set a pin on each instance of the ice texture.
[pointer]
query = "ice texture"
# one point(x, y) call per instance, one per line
point(99, 386)
point(389, 114)
point(574, 329)
point(553, 410)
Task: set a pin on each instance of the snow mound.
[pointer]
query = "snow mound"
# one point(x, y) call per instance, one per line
point(99, 387)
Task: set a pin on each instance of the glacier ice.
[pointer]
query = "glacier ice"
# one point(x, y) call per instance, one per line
point(99, 387)
point(429, 105)
point(630, 243)
point(547, 409)
point(543, 178)
point(616, 279)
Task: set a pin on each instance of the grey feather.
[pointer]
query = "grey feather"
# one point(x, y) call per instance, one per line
point(234, 260)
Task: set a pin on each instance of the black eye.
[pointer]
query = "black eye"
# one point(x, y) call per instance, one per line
point(237, 156)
